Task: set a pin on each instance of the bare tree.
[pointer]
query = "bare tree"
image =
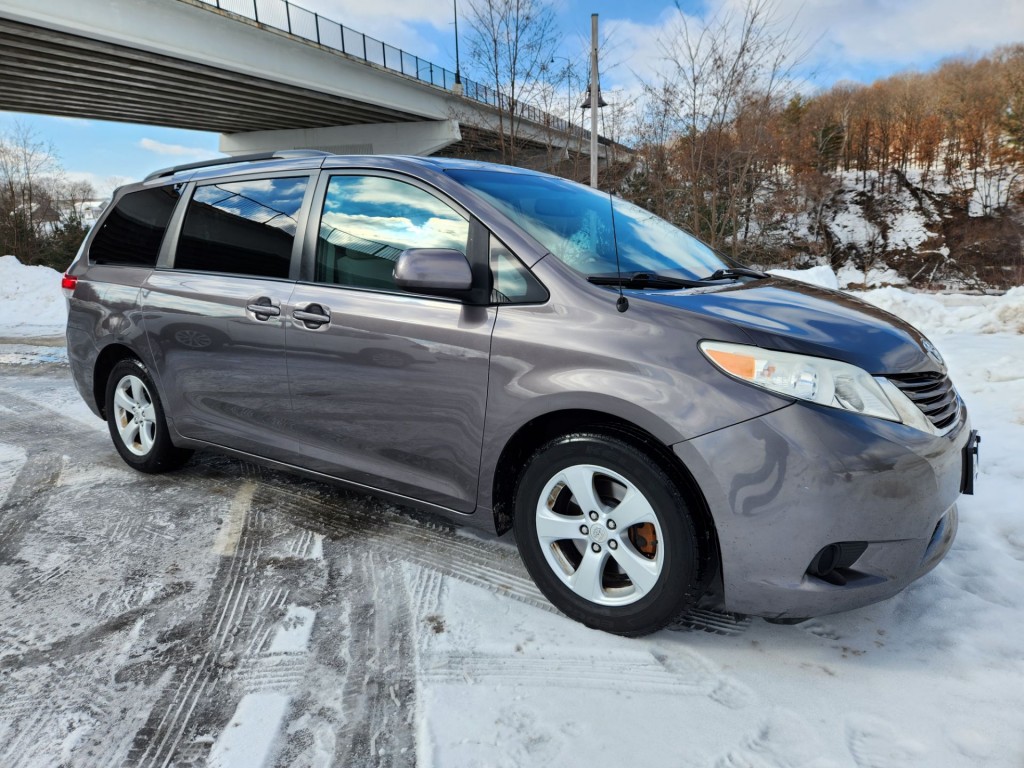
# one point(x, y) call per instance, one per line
point(40, 221)
point(726, 79)
point(26, 162)
point(511, 45)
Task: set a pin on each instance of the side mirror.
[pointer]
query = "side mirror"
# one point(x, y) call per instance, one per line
point(434, 272)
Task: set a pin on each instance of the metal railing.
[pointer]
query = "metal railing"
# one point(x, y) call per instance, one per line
point(300, 22)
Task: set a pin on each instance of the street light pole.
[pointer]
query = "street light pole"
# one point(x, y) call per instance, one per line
point(595, 90)
point(458, 74)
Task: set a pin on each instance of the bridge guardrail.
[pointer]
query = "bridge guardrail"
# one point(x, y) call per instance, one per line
point(301, 22)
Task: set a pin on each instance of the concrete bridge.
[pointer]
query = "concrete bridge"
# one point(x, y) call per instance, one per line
point(266, 74)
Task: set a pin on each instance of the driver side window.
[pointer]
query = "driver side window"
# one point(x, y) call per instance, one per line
point(367, 221)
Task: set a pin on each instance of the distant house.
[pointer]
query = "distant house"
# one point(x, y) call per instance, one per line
point(48, 214)
point(90, 210)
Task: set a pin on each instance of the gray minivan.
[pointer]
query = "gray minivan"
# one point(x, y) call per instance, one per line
point(657, 424)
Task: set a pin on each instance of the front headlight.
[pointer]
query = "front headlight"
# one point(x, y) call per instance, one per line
point(814, 379)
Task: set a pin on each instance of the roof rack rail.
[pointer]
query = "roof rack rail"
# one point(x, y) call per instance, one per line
point(281, 154)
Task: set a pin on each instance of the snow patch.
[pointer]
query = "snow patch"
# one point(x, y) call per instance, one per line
point(294, 633)
point(249, 737)
point(823, 276)
point(851, 277)
point(31, 300)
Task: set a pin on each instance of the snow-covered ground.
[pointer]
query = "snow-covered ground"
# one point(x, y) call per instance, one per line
point(233, 616)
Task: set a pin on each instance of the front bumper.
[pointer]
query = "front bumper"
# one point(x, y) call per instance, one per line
point(783, 486)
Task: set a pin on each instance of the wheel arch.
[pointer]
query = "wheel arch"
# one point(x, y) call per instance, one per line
point(110, 356)
point(536, 432)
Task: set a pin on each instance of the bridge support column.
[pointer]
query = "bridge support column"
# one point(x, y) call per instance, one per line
point(419, 138)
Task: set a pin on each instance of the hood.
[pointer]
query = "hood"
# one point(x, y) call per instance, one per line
point(796, 317)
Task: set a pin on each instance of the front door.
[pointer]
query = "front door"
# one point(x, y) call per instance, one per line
point(388, 388)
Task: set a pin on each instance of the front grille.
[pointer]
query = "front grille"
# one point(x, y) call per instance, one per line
point(933, 393)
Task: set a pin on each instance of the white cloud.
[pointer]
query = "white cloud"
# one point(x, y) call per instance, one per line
point(347, 11)
point(79, 121)
point(177, 150)
point(393, 23)
point(635, 53)
point(104, 186)
point(868, 31)
point(846, 38)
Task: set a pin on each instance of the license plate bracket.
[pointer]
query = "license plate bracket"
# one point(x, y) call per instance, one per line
point(971, 463)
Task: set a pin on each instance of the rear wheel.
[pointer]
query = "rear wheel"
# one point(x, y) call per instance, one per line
point(136, 421)
point(607, 535)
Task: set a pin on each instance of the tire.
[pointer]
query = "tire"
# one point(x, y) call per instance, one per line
point(628, 576)
point(135, 418)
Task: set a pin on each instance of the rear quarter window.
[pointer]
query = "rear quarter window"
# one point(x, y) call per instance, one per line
point(132, 232)
point(242, 227)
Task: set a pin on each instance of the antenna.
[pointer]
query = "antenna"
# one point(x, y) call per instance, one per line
point(622, 303)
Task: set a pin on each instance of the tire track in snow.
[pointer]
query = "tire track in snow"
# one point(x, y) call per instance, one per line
point(92, 638)
point(249, 660)
point(491, 565)
point(26, 502)
point(15, 749)
point(32, 428)
point(29, 588)
point(35, 660)
point(683, 672)
point(386, 530)
point(379, 693)
point(157, 741)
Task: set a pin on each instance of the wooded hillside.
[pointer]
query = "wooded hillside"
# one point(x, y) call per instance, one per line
point(921, 172)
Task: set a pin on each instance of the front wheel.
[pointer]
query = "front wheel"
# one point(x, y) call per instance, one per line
point(136, 421)
point(607, 535)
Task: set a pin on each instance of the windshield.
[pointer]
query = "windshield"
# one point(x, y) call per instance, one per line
point(575, 224)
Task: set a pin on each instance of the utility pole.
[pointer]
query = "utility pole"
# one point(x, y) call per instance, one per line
point(457, 90)
point(595, 91)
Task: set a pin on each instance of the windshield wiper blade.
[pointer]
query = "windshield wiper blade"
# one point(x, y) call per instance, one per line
point(732, 273)
point(644, 280)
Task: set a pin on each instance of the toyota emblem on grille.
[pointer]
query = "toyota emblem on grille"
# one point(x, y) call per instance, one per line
point(933, 353)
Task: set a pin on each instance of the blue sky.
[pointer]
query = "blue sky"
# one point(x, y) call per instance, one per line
point(858, 40)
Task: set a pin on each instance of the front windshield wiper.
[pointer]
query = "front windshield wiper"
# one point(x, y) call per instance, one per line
point(644, 280)
point(733, 273)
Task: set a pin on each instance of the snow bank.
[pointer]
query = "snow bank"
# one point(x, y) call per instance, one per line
point(823, 276)
point(31, 301)
point(956, 313)
point(931, 313)
point(848, 276)
point(851, 277)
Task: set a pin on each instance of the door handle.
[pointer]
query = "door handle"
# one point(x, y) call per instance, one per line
point(313, 316)
point(263, 308)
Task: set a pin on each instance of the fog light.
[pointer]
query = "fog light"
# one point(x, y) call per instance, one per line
point(825, 561)
point(830, 562)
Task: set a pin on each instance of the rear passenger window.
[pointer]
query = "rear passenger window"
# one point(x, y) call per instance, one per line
point(369, 220)
point(241, 227)
point(131, 233)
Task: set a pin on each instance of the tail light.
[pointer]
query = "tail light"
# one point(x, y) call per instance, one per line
point(67, 284)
